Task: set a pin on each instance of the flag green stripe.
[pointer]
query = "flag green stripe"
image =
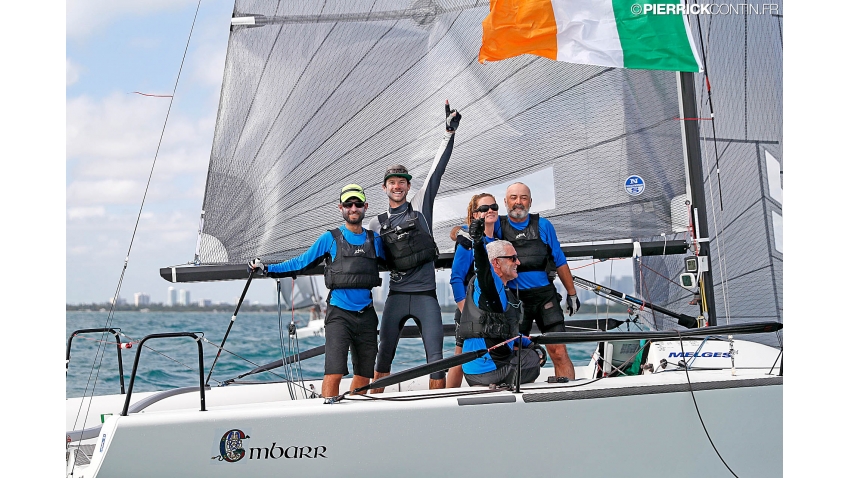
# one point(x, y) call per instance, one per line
point(651, 41)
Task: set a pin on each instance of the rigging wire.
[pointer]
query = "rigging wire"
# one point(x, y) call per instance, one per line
point(696, 407)
point(711, 111)
point(96, 363)
point(227, 382)
point(293, 334)
point(719, 235)
point(155, 96)
point(283, 351)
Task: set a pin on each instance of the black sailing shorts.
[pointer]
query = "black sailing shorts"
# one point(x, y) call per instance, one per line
point(357, 331)
point(543, 306)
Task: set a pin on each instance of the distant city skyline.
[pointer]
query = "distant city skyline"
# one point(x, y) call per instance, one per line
point(181, 294)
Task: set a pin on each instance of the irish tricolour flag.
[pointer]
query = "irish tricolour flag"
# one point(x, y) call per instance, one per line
point(618, 33)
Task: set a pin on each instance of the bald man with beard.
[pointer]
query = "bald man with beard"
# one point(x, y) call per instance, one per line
point(539, 252)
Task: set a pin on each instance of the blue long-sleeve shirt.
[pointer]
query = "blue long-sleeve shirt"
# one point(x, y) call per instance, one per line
point(532, 279)
point(348, 299)
point(460, 268)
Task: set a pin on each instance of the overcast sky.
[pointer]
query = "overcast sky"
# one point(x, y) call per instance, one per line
point(112, 50)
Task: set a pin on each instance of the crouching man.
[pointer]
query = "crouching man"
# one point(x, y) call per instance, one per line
point(492, 314)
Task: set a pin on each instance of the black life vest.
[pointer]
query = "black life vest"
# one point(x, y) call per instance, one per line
point(533, 253)
point(354, 267)
point(475, 323)
point(410, 248)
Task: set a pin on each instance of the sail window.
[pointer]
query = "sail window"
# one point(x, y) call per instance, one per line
point(774, 176)
point(777, 231)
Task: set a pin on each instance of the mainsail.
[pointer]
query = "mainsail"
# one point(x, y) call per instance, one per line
point(744, 202)
point(317, 95)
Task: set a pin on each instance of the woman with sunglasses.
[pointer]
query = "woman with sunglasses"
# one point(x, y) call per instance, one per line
point(480, 206)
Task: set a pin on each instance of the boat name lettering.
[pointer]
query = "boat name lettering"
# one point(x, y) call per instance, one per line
point(274, 452)
point(703, 354)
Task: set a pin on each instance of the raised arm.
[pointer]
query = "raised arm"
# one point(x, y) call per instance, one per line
point(490, 300)
point(423, 201)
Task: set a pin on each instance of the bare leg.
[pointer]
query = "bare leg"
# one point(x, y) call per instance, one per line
point(357, 382)
point(330, 385)
point(455, 376)
point(377, 376)
point(434, 384)
point(561, 361)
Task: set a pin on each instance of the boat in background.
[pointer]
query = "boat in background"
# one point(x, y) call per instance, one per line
point(302, 293)
point(316, 96)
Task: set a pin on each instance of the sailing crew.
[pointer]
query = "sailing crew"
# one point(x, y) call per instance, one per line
point(407, 235)
point(480, 206)
point(351, 254)
point(540, 251)
point(491, 315)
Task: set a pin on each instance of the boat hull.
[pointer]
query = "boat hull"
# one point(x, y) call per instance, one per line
point(625, 426)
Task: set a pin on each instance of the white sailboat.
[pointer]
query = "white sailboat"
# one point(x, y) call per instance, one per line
point(303, 293)
point(320, 94)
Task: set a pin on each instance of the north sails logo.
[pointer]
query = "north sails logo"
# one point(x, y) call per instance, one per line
point(521, 235)
point(231, 449)
point(359, 250)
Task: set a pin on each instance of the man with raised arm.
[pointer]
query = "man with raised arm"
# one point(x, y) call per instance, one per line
point(351, 256)
point(408, 240)
point(540, 251)
point(492, 314)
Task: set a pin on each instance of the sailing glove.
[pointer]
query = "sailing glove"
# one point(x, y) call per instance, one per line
point(464, 240)
point(452, 118)
point(476, 229)
point(256, 264)
point(573, 303)
point(541, 353)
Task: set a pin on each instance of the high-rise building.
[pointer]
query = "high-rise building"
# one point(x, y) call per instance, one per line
point(183, 297)
point(171, 297)
point(141, 299)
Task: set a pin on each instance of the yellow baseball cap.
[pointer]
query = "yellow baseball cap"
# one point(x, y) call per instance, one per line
point(352, 191)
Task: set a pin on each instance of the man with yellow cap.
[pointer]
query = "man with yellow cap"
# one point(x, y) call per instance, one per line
point(351, 254)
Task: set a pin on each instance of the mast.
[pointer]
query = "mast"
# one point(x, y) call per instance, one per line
point(695, 176)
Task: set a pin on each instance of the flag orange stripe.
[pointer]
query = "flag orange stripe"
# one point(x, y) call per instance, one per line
point(515, 27)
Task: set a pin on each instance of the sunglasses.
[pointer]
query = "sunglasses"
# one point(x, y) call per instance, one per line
point(357, 204)
point(512, 258)
point(485, 207)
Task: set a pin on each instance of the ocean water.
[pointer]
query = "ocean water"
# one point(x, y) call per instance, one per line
point(173, 362)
